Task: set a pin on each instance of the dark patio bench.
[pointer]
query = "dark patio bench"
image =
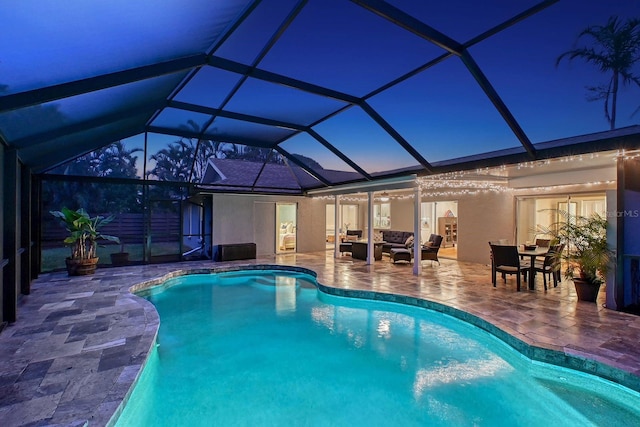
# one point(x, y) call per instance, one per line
point(234, 251)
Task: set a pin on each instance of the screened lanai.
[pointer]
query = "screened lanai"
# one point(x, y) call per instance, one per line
point(144, 106)
point(337, 91)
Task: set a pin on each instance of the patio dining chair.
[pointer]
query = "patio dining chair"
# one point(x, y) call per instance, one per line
point(550, 266)
point(505, 260)
point(543, 243)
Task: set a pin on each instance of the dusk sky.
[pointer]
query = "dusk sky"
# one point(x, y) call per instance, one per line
point(334, 44)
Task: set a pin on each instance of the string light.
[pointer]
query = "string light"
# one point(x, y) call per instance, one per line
point(627, 155)
point(492, 180)
point(430, 193)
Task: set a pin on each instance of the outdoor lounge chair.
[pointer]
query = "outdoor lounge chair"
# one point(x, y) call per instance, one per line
point(431, 248)
point(429, 251)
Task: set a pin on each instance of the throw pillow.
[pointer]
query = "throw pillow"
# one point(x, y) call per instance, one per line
point(409, 242)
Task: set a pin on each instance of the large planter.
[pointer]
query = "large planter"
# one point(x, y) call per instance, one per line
point(81, 267)
point(586, 291)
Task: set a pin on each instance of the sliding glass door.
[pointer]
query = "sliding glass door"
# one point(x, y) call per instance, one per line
point(536, 214)
point(286, 224)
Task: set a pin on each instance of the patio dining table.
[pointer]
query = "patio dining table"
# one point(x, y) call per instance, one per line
point(532, 254)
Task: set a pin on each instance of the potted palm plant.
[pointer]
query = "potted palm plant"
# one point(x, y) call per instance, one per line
point(587, 255)
point(84, 233)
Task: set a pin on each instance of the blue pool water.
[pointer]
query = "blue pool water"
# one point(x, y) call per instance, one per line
point(265, 348)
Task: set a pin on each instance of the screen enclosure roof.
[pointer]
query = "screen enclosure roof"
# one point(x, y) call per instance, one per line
point(288, 96)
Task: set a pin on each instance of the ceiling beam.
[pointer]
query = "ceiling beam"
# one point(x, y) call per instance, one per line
point(495, 99)
point(339, 153)
point(218, 138)
point(268, 76)
point(303, 166)
point(43, 137)
point(411, 24)
point(500, 27)
point(395, 135)
point(234, 26)
point(92, 84)
point(48, 156)
point(399, 182)
point(236, 116)
point(510, 22)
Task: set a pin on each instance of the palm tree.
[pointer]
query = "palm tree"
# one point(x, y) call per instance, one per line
point(112, 161)
point(614, 49)
point(174, 162)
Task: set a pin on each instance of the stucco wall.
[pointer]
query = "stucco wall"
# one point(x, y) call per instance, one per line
point(402, 214)
point(234, 221)
point(482, 218)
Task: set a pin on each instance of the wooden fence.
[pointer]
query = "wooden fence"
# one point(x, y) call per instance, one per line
point(128, 227)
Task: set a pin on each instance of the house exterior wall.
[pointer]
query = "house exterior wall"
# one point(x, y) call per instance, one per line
point(402, 214)
point(235, 221)
point(482, 218)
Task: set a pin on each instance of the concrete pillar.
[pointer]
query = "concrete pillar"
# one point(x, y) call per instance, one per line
point(370, 248)
point(417, 246)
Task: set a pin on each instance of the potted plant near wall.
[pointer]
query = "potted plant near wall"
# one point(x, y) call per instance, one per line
point(84, 234)
point(586, 255)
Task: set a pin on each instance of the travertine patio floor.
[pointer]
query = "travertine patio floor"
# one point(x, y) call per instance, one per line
point(80, 342)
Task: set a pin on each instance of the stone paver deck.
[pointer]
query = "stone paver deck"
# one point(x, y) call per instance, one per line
point(80, 342)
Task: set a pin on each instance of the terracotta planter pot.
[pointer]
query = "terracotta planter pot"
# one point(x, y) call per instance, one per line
point(81, 267)
point(586, 291)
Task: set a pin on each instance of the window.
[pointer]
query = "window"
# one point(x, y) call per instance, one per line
point(536, 214)
point(382, 215)
point(349, 215)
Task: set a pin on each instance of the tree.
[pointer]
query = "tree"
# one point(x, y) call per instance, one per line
point(186, 159)
point(253, 154)
point(111, 161)
point(174, 162)
point(614, 49)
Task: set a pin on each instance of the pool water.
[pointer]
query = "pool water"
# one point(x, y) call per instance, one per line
point(266, 348)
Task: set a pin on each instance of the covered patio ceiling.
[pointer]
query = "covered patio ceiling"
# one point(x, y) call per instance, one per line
point(316, 93)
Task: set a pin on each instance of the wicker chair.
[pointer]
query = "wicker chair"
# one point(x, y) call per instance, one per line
point(430, 250)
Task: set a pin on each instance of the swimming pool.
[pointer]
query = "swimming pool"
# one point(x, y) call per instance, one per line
point(267, 348)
